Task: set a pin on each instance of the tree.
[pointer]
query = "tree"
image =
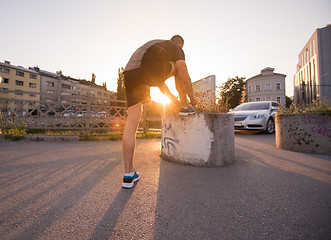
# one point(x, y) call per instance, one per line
point(232, 91)
point(104, 84)
point(93, 78)
point(288, 101)
point(59, 72)
point(120, 85)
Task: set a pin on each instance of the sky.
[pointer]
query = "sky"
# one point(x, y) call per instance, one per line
point(222, 38)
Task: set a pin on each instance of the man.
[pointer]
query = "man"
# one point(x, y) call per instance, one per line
point(150, 65)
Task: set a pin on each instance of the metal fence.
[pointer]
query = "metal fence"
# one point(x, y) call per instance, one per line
point(65, 115)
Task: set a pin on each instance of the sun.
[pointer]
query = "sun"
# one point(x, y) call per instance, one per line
point(157, 95)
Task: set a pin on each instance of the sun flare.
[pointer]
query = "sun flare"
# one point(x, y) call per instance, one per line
point(158, 96)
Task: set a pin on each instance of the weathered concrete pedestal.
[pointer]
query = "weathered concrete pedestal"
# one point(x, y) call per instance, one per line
point(307, 132)
point(202, 139)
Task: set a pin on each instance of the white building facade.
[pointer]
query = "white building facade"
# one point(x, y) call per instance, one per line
point(267, 86)
point(313, 79)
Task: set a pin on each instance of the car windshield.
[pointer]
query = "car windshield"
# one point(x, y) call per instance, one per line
point(252, 106)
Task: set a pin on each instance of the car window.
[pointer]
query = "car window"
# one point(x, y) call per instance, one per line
point(252, 106)
point(274, 104)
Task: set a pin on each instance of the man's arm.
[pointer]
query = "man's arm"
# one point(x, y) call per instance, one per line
point(165, 90)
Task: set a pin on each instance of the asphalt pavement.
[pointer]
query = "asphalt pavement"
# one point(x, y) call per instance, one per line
point(72, 190)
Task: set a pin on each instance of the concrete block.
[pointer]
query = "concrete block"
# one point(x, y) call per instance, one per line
point(308, 132)
point(202, 139)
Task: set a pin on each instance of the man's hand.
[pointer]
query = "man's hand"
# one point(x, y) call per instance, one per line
point(193, 101)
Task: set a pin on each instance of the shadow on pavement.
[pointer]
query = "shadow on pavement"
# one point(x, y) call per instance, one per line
point(67, 201)
point(247, 200)
point(106, 226)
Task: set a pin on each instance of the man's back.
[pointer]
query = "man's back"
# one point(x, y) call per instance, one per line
point(155, 51)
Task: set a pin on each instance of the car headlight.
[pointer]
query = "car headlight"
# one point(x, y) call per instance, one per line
point(256, 116)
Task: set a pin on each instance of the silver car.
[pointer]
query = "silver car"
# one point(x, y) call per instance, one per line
point(255, 116)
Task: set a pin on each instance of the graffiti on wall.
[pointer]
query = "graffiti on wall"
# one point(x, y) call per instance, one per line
point(297, 134)
point(319, 124)
point(304, 132)
point(168, 143)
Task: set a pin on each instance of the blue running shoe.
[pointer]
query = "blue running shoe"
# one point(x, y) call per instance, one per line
point(184, 111)
point(128, 181)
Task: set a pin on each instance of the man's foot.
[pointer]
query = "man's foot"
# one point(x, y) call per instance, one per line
point(184, 111)
point(129, 181)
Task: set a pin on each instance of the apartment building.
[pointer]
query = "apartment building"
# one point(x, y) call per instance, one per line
point(22, 89)
point(58, 88)
point(19, 88)
point(267, 86)
point(313, 77)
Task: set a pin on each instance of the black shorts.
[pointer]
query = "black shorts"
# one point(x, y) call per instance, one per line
point(138, 81)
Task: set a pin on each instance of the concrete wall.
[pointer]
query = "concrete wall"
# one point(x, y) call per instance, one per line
point(309, 133)
point(202, 139)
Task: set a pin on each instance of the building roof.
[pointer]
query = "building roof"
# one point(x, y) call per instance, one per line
point(7, 64)
point(264, 72)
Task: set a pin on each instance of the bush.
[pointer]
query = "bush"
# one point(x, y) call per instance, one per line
point(317, 106)
point(14, 132)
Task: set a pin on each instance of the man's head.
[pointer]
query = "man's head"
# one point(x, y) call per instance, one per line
point(178, 40)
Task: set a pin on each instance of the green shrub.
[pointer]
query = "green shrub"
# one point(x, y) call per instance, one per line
point(317, 106)
point(12, 131)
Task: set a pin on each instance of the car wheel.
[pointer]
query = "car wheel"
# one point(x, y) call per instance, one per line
point(270, 129)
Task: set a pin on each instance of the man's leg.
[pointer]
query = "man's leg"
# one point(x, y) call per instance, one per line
point(181, 92)
point(184, 81)
point(179, 85)
point(129, 136)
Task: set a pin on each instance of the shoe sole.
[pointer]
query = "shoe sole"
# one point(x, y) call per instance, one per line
point(131, 184)
point(185, 114)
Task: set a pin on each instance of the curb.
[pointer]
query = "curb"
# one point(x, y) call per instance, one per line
point(46, 138)
point(43, 138)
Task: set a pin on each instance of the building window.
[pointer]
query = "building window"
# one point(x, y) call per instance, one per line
point(18, 92)
point(4, 70)
point(4, 90)
point(278, 99)
point(257, 88)
point(32, 95)
point(33, 76)
point(268, 98)
point(5, 80)
point(277, 86)
point(258, 99)
point(32, 85)
point(249, 100)
point(250, 89)
point(105, 94)
point(50, 91)
point(19, 83)
point(267, 86)
point(19, 73)
point(50, 84)
point(66, 86)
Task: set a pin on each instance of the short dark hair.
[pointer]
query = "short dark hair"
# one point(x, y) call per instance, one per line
point(177, 39)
